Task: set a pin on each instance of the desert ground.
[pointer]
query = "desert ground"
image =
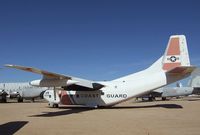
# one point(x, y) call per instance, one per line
point(174, 117)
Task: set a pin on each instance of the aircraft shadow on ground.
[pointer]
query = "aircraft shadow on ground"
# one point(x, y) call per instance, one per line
point(167, 106)
point(195, 99)
point(66, 111)
point(11, 127)
point(74, 110)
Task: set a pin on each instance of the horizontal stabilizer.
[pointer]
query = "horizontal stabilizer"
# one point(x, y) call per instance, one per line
point(183, 70)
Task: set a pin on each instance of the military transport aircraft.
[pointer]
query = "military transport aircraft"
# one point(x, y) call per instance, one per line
point(174, 65)
point(20, 91)
point(193, 88)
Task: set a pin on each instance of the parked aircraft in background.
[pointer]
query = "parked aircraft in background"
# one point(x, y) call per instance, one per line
point(174, 65)
point(179, 90)
point(20, 91)
point(168, 92)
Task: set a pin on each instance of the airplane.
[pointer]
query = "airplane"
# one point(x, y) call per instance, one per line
point(169, 92)
point(173, 66)
point(21, 90)
point(165, 92)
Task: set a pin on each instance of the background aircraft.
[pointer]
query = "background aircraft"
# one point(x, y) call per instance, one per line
point(174, 65)
point(22, 90)
point(165, 92)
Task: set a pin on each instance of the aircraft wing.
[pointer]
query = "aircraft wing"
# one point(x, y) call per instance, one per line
point(45, 74)
point(53, 79)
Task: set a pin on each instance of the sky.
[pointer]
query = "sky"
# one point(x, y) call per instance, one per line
point(92, 39)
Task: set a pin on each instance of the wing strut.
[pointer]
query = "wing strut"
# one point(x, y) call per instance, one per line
point(54, 92)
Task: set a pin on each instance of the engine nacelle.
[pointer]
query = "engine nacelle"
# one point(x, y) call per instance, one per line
point(52, 82)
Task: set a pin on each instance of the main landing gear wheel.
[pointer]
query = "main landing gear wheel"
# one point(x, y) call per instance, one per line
point(20, 99)
point(33, 100)
point(3, 99)
point(152, 98)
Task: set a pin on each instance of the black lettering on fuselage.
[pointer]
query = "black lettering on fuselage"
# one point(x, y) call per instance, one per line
point(116, 95)
point(87, 95)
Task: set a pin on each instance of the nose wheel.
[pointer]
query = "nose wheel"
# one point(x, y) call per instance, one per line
point(53, 105)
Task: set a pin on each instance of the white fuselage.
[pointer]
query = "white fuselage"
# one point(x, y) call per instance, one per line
point(114, 91)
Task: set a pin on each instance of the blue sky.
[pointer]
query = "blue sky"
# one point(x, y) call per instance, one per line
point(92, 39)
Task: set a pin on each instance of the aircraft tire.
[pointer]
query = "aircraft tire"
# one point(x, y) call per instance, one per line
point(3, 99)
point(164, 98)
point(32, 100)
point(151, 98)
point(20, 99)
point(55, 105)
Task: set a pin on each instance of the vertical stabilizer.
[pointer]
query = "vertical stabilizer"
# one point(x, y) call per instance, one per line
point(176, 54)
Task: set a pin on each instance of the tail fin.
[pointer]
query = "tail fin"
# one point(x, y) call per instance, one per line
point(176, 54)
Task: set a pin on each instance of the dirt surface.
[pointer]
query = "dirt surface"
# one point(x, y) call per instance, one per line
point(174, 117)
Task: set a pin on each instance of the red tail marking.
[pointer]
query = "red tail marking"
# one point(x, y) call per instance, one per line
point(174, 47)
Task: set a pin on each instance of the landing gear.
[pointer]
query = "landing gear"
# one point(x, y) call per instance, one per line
point(54, 93)
point(3, 98)
point(32, 100)
point(20, 99)
point(152, 98)
point(164, 98)
point(53, 105)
